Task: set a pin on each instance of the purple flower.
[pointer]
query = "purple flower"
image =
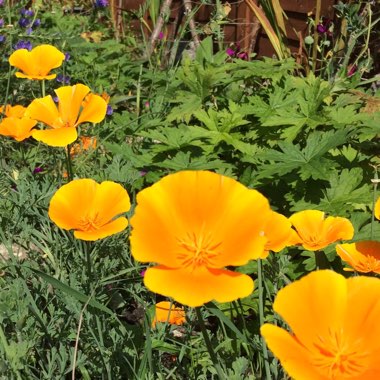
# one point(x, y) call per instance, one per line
point(23, 45)
point(23, 22)
point(1, 3)
point(230, 52)
point(109, 111)
point(147, 104)
point(142, 273)
point(37, 169)
point(67, 56)
point(2, 39)
point(29, 31)
point(1, 22)
point(55, 99)
point(36, 23)
point(324, 27)
point(161, 35)
point(26, 12)
point(101, 3)
point(64, 79)
point(352, 70)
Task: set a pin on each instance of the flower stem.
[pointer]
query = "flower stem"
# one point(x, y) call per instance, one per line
point(261, 317)
point(208, 344)
point(375, 181)
point(69, 165)
point(321, 261)
point(43, 88)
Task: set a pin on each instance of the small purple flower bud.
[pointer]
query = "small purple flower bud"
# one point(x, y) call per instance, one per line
point(1, 3)
point(2, 39)
point(142, 273)
point(230, 52)
point(67, 56)
point(36, 23)
point(29, 31)
point(55, 99)
point(23, 45)
point(23, 22)
point(101, 3)
point(143, 172)
point(1, 22)
point(161, 35)
point(38, 169)
point(147, 104)
point(64, 79)
point(109, 111)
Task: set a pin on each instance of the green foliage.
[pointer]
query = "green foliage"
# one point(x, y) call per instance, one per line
point(304, 141)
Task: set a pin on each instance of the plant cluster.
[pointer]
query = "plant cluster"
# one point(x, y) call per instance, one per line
point(172, 222)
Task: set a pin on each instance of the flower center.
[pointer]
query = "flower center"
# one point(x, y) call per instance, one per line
point(90, 223)
point(197, 250)
point(338, 358)
point(372, 264)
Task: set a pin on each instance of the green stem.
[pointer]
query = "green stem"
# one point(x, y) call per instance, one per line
point(261, 317)
point(88, 265)
point(42, 87)
point(375, 181)
point(69, 165)
point(321, 261)
point(208, 344)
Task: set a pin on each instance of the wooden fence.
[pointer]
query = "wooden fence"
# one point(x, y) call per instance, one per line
point(241, 25)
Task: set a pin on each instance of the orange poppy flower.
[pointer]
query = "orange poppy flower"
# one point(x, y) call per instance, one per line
point(92, 210)
point(193, 224)
point(363, 256)
point(377, 209)
point(13, 111)
point(18, 128)
point(166, 314)
point(73, 109)
point(335, 327)
point(85, 143)
point(278, 231)
point(37, 63)
point(315, 232)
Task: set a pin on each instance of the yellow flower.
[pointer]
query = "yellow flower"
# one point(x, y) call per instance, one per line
point(363, 256)
point(18, 128)
point(73, 109)
point(377, 209)
point(166, 314)
point(315, 232)
point(193, 224)
point(334, 326)
point(92, 210)
point(37, 63)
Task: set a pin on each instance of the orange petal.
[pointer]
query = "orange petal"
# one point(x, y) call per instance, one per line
point(70, 102)
point(199, 208)
point(21, 59)
point(195, 288)
point(45, 110)
point(377, 209)
point(19, 129)
point(362, 320)
point(278, 232)
point(166, 312)
point(35, 76)
point(60, 137)
point(292, 355)
point(316, 232)
point(72, 202)
point(110, 200)
point(94, 110)
point(363, 256)
point(114, 227)
point(318, 300)
point(13, 111)
point(46, 58)
point(37, 63)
